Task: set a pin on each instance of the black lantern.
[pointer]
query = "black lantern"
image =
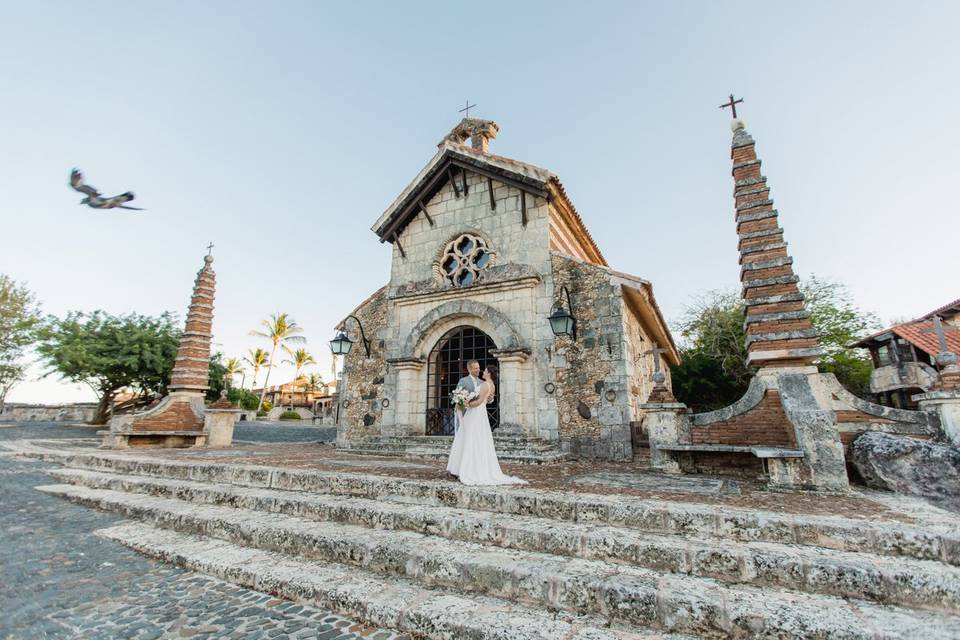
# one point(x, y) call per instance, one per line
point(341, 344)
point(561, 321)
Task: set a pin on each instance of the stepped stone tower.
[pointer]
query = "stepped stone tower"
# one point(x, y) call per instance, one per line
point(180, 419)
point(779, 332)
point(191, 368)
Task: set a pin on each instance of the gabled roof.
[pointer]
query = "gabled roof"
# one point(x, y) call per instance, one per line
point(451, 159)
point(948, 310)
point(919, 332)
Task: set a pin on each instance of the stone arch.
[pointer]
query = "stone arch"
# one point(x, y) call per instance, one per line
point(439, 319)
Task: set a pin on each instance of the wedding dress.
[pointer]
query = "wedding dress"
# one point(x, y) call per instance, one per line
point(473, 457)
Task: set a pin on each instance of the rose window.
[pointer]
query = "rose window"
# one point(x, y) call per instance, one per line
point(464, 258)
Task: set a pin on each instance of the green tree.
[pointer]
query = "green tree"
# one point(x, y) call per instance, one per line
point(279, 329)
point(19, 321)
point(232, 367)
point(109, 353)
point(217, 377)
point(256, 358)
point(714, 373)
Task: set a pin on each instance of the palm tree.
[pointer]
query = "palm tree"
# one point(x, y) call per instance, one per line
point(231, 369)
point(300, 359)
point(312, 383)
point(258, 359)
point(279, 329)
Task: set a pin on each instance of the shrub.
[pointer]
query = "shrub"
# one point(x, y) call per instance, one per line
point(289, 414)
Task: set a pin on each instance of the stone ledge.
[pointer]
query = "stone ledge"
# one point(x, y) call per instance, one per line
point(766, 282)
point(774, 316)
point(780, 335)
point(753, 205)
point(749, 235)
point(762, 300)
point(757, 215)
point(758, 248)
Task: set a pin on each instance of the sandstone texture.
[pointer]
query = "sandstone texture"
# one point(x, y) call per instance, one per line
point(909, 465)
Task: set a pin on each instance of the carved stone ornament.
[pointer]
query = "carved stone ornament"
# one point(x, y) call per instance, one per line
point(462, 260)
point(583, 409)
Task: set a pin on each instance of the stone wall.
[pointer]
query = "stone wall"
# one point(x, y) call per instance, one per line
point(80, 412)
point(361, 389)
point(592, 386)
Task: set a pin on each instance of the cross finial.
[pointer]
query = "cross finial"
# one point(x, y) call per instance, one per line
point(210, 249)
point(733, 105)
point(466, 109)
point(656, 351)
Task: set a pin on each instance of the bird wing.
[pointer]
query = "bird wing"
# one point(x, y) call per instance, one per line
point(76, 181)
point(116, 201)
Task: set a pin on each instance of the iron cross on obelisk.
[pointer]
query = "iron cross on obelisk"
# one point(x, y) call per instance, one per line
point(733, 105)
point(466, 110)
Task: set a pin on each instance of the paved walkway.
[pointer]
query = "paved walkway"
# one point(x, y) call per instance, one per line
point(59, 580)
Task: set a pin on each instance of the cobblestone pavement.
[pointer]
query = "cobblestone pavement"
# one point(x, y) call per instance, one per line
point(59, 580)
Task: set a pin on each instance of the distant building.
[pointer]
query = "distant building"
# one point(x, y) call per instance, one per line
point(904, 355)
point(319, 401)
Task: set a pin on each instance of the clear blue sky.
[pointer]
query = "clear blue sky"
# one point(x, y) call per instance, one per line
point(282, 130)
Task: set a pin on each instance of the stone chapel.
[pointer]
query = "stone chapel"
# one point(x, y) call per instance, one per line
point(485, 250)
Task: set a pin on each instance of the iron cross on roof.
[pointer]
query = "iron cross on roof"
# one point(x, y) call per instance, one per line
point(210, 249)
point(732, 104)
point(466, 109)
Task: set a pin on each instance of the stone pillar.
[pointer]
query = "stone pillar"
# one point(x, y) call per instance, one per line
point(944, 398)
point(946, 404)
point(219, 420)
point(513, 390)
point(408, 421)
point(666, 423)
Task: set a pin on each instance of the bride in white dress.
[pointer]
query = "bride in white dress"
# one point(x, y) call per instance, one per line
point(472, 457)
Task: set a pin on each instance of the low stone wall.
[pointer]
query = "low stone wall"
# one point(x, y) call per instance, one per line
point(80, 412)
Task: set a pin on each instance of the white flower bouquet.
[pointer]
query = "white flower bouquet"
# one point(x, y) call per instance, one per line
point(459, 398)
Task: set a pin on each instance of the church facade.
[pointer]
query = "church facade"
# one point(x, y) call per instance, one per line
point(485, 250)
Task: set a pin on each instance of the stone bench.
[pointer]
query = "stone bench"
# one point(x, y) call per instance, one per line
point(153, 438)
point(779, 463)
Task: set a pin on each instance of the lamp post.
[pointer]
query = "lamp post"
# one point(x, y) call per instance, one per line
point(561, 321)
point(341, 343)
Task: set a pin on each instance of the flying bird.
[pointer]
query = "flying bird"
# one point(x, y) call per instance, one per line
point(94, 199)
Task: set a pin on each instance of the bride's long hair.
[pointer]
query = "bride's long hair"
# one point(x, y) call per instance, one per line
point(494, 374)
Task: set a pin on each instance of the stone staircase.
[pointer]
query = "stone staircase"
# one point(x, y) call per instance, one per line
point(512, 448)
point(443, 560)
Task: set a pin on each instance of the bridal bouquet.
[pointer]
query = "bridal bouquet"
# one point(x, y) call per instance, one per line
point(459, 398)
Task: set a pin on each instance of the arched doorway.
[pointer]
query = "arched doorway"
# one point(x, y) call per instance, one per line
point(445, 366)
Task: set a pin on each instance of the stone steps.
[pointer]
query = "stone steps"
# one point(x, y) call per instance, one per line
point(397, 604)
point(914, 583)
point(623, 594)
point(702, 521)
point(510, 448)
